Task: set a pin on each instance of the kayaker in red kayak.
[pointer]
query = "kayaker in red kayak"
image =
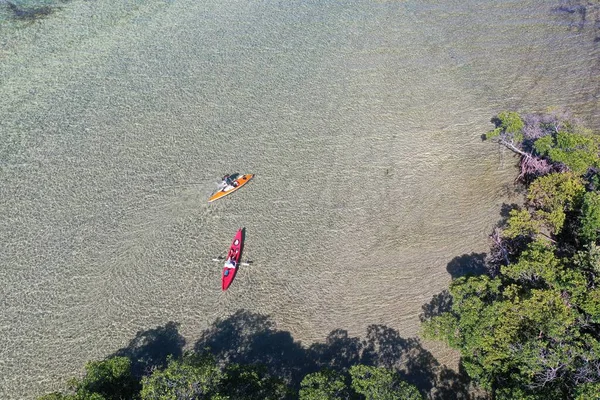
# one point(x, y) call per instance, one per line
point(233, 259)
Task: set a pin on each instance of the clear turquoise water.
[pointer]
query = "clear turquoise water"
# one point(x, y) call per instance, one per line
point(360, 119)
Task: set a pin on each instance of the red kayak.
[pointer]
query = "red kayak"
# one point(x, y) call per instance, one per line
point(233, 259)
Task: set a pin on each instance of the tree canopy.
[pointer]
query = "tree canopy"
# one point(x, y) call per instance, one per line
point(198, 376)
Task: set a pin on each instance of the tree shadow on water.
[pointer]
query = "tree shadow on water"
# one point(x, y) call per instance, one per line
point(384, 347)
point(250, 338)
point(439, 304)
point(339, 352)
point(467, 264)
point(505, 210)
point(150, 349)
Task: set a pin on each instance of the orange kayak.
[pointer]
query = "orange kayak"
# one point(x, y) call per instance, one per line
point(238, 182)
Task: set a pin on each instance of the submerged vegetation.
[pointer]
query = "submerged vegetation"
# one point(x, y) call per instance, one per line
point(28, 13)
point(529, 328)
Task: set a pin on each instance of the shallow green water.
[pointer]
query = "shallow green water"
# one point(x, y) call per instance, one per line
point(360, 119)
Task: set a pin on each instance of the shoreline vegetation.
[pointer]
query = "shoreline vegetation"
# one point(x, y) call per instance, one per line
point(525, 318)
point(527, 327)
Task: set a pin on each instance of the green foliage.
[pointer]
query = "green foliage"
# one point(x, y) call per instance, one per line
point(516, 330)
point(381, 384)
point(537, 265)
point(588, 391)
point(76, 396)
point(108, 379)
point(192, 377)
point(588, 258)
point(445, 327)
point(370, 383)
point(55, 396)
point(557, 190)
point(575, 150)
point(501, 337)
point(555, 194)
point(324, 385)
point(251, 382)
point(590, 304)
point(89, 396)
point(470, 297)
point(509, 126)
point(513, 393)
point(521, 223)
point(590, 216)
point(582, 281)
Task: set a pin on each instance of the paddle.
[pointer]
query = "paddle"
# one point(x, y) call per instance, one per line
point(245, 264)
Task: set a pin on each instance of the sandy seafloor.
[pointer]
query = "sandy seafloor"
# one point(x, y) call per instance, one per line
point(361, 120)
